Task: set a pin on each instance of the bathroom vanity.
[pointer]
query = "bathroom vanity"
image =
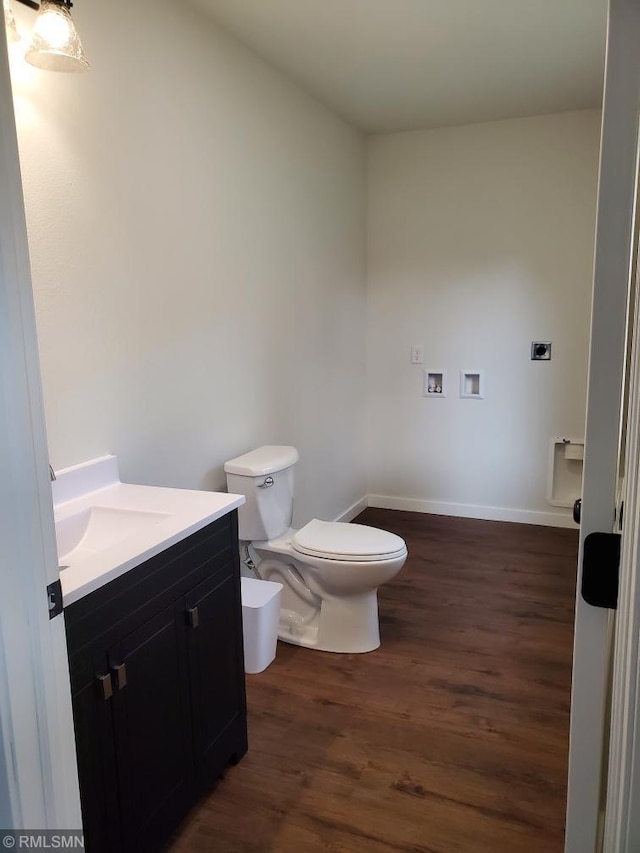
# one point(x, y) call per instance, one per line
point(157, 674)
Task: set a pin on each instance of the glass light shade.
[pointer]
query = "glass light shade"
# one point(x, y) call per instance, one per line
point(10, 23)
point(55, 44)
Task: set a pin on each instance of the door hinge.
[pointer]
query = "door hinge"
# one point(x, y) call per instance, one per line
point(54, 599)
point(601, 569)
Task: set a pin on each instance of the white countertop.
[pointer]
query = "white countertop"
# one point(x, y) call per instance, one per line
point(97, 485)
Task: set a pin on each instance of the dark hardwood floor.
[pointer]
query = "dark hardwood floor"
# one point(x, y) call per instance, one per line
point(450, 738)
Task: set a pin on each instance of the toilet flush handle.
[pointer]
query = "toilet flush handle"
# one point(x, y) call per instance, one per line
point(267, 483)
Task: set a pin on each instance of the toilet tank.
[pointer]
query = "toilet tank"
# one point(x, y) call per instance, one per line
point(265, 477)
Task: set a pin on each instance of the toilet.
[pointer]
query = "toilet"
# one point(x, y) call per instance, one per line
point(330, 571)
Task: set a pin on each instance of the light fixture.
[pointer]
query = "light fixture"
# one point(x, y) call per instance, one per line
point(10, 23)
point(54, 44)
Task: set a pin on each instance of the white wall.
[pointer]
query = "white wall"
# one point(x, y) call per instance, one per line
point(480, 241)
point(196, 228)
point(197, 240)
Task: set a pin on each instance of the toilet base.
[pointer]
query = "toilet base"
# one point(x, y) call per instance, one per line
point(346, 625)
point(319, 608)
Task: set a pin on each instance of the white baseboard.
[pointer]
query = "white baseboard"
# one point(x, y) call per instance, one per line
point(354, 510)
point(488, 513)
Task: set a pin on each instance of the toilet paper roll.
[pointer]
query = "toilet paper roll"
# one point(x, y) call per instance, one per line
point(573, 450)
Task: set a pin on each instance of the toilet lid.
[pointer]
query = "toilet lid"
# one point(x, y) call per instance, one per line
point(336, 540)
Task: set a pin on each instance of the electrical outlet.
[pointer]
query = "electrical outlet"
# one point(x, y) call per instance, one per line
point(417, 353)
point(541, 351)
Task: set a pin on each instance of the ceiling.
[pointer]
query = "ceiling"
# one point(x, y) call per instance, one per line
point(392, 65)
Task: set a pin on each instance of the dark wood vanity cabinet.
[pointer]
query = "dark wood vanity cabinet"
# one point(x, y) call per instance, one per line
point(157, 678)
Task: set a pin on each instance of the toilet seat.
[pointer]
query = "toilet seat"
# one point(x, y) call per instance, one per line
point(335, 540)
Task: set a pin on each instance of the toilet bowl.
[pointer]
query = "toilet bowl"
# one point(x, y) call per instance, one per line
point(330, 571)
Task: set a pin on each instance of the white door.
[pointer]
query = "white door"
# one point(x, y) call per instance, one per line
point(622, 818)
point(612, 276)
point(38, 778)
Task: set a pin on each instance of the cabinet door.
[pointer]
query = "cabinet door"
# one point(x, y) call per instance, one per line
point(93, 722)
point(153, 729)
point(216, 670)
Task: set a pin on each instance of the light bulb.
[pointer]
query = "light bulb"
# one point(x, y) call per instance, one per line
point(55, 44)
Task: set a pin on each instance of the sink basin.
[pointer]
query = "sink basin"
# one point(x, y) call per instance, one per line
point(98, 527)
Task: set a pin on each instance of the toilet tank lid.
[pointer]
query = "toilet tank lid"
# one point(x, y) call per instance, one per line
point(264, 460)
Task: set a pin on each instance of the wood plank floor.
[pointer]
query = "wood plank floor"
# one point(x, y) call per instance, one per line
point(450, 738)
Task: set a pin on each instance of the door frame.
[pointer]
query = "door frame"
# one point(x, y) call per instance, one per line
point(38, 775)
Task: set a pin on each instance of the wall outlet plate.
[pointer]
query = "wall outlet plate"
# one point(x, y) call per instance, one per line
point(541, 351)
point(417, 353)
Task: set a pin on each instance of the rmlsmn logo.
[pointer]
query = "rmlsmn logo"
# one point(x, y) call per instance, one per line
point(42, 840)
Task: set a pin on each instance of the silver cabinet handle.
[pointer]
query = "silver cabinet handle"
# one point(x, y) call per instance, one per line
point(120, 674)
point(105, 686)
point(267, 483)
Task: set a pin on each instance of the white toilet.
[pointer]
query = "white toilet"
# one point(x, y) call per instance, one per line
point(330, 571)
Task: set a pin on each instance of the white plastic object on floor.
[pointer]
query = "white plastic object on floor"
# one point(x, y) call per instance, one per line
point(260, 618)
